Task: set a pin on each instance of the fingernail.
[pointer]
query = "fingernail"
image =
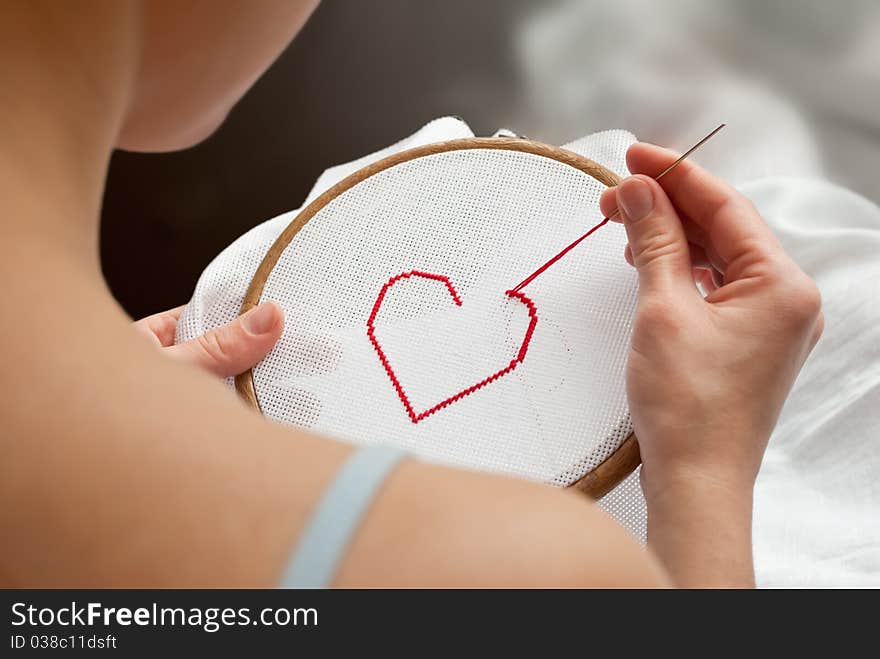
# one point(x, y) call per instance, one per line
point(635, 199)
point(260, 319)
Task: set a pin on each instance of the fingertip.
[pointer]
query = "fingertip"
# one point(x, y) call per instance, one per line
point(634, 156)
point(645, 179)
point(260, 329)
point(608, 202)
point(660, 199)
point(266, 318)
point(636, 198)
point(278, 315)
point(647, 158)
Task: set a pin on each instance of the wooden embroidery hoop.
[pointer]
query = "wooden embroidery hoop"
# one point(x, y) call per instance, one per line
point(619, 464)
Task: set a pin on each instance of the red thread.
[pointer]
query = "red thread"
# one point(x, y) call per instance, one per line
point(565, 251)
point(371, 332)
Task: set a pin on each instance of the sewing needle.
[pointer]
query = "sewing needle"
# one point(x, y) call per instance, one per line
point(613, 213)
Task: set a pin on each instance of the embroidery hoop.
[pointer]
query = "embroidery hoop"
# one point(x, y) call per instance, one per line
point(625, 458)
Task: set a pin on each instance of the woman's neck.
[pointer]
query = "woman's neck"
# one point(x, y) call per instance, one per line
point(67, 71)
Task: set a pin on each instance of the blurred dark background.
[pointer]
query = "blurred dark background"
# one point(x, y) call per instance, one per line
point(359, 76)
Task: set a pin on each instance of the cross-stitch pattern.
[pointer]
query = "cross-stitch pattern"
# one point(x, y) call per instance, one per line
point(415, 415)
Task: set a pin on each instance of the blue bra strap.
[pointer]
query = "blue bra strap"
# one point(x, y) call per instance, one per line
point(337, 517)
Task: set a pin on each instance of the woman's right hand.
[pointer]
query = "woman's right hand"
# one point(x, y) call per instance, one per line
point(706, 377)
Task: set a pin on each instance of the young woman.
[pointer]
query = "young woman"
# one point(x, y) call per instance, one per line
point(128, 464)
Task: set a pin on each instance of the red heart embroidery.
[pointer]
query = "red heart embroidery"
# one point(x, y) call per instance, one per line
point(371, 332)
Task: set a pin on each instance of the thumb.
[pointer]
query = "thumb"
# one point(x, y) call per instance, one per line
point(656, 236)
point(236, 346)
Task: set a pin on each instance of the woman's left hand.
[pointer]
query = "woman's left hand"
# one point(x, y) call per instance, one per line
point(225, 351)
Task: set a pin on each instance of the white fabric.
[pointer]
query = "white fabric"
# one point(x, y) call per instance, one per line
point(817, 500)
point(817, 507)
point(485, 219)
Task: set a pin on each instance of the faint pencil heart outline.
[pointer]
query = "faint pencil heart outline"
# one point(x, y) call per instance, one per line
point(389, 370)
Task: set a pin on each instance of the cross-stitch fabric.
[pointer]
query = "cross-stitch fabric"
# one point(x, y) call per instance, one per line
point(396, 302)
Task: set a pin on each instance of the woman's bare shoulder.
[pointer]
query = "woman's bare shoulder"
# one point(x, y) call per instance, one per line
point(437, 526)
